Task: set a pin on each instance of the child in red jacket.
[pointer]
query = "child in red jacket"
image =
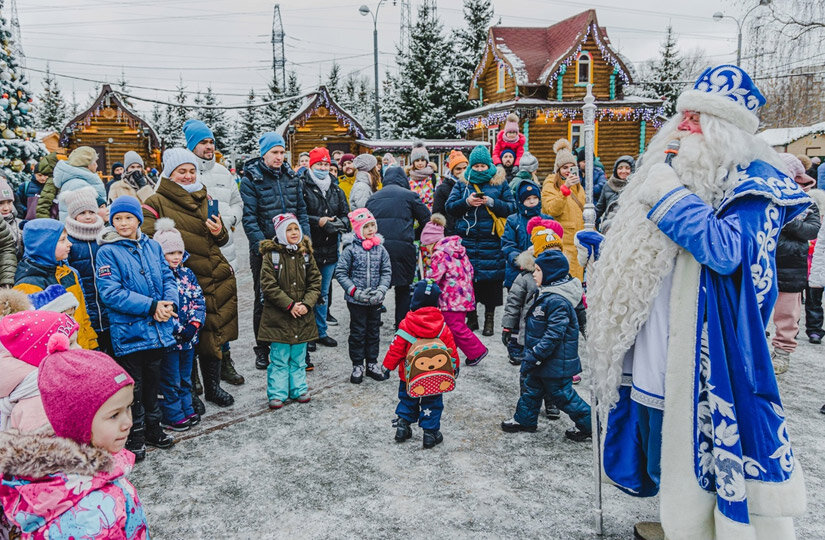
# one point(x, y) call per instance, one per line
point(424, 321)
point(509, 138)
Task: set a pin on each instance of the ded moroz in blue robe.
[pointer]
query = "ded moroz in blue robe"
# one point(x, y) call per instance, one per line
point(724, 429)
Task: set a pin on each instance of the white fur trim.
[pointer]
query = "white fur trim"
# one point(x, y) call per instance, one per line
point(783, 499)
point(717, 105)
point(62, 303)
point(685, 508)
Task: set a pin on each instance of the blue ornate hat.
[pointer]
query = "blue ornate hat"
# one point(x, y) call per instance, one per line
point(725, 91)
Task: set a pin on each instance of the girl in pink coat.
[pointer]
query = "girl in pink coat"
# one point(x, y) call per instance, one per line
point(451, 270)
point(509, 138)
point(74, 485)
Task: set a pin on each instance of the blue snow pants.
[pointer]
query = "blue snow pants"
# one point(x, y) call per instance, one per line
point(426, 411)
point(560, 392)
point(286, 375)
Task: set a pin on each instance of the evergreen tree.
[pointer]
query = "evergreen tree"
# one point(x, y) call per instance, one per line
point(666, 72)
point(248, 128)
point(333, 83)
point(356, 96)
point(52, 112)
point(74, 106)
point(171, 129)
point(293, 87)
point(215, 119)
point(470, 43)
point(425, 95)
point(123, 86)
point(17, 147)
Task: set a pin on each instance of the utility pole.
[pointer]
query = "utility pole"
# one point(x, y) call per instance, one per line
point(406, 24)
point(16, 36)
point(278, 54)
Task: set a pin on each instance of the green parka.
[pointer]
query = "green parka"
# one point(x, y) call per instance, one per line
point(47, 197)
point(297, 280)
point(215, 275)
point(8, 254)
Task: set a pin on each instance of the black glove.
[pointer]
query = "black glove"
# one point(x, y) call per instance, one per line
point(456, 372)
point(188, 333)
point(505, 336)
point(136, 178)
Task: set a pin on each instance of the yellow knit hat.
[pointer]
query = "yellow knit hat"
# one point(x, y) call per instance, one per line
point(82, 156)
point(544, 234)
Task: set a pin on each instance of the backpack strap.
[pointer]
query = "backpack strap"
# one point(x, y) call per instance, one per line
point(443, 326)
point(406, 336)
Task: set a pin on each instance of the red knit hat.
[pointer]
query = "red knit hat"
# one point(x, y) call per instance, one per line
point(319, 155)
point(26, 333)
point(74, 384)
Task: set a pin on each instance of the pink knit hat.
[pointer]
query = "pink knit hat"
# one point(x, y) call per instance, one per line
point(168, 236)
point(433, 231)
point(74, 384)
point(26, 333)
point(797, 171)
point(360, 217)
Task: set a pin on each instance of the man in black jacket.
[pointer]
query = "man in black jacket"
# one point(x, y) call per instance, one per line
point(269, 187)
point(396, 209)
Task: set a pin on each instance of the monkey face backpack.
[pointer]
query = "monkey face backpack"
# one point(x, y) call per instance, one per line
point(429, 366)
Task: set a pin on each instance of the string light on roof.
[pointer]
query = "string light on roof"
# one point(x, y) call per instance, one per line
point(616, 114)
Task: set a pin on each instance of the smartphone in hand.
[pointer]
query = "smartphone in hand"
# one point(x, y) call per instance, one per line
point(212, 209)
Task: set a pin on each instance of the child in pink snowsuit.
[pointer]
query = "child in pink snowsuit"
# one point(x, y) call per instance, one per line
point(509, 138)
point(451, 270)
point(73, 484)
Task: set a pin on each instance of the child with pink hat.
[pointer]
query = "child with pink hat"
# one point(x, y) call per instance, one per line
point(365, 273)
point(74, 485)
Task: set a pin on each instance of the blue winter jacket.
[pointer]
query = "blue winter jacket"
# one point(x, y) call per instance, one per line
point(552, 330)
point(82, 258)
point(70, 178)
point(515, 239)
point(360, 268)
point(599, 180)
point(132, 276)
point(267, 193)
point(475, 226)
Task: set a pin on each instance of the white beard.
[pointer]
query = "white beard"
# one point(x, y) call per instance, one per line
point(636, 256)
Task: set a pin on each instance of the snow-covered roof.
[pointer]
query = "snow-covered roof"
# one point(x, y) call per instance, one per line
point(316, 99)
point(431, 144)
point(784, 136)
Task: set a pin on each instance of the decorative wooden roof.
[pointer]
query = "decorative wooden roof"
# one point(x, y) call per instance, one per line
point(534, 55)
point(322, 98)
point(108, 99)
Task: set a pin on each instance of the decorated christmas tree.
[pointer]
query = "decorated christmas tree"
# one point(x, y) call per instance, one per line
point(18, 147)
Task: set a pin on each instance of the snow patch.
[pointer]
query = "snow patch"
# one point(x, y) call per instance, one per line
point(783, 136)
point(519, 69)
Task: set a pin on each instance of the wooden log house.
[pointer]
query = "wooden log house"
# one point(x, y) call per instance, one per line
point(541, 74)
point(319, 121)
point(112, 129)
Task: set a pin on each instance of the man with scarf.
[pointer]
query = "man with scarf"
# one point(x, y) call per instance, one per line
point(678, 304)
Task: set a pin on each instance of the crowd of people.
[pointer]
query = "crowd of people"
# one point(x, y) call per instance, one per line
point(119, 290)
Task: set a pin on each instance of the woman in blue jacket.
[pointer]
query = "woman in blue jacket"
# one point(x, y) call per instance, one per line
point(478, 195)
point(140, 295)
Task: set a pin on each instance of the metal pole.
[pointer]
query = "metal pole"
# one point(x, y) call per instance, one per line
point(375, 59)
point(589, 216)
point(739, 46)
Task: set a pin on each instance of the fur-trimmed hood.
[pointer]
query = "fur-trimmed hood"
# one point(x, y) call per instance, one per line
point(37, 456)
point(497, 180)
point(526, 261)
point(268, 246)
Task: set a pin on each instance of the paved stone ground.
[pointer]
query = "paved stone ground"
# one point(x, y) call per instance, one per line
point(330, 468)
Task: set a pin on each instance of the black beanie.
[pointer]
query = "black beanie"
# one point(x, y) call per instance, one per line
point(425, 294)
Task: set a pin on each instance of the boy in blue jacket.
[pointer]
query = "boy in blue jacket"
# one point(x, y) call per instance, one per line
point(551, 350)
point(140, 295)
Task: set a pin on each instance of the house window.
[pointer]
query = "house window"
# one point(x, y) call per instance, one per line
point(500, 77)
point(575, 134)
point(492, 132)
point(584, 68)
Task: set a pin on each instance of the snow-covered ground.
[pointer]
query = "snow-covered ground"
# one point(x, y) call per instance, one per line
point(330, 468)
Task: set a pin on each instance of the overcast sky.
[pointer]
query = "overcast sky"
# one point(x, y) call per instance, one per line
point(227, 43)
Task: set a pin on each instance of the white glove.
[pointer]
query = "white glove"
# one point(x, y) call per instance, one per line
point(660, 180)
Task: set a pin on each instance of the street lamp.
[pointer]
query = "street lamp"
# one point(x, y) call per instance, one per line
point(718, 16)
point(365, 10)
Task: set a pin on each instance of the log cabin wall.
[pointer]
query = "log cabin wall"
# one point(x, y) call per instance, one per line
point(488, 82)
point(321, 129)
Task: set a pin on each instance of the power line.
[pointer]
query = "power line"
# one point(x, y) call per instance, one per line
point(244, 106)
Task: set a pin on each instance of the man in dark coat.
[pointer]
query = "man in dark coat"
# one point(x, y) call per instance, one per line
point(269, 187)
point(396, 209)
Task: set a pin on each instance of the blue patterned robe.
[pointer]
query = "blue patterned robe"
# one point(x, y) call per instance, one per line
point(738, 430)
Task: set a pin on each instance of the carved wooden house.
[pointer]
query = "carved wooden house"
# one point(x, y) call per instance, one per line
point(541, 74)
point(112, 129)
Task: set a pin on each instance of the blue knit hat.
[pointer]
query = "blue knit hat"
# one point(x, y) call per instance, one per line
point(554, 266)
point(54, 298)
point(269, 140)
point(425, 294)
point(126, 203)
point(195, 131)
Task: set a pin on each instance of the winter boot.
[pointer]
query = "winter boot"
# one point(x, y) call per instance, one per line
point(551, 411)
point(211, 368)
point(472, 320)
point(228, 372)
point(375, 372)
point(781, 360)
point(310, 365)
point(155, 436)
point(475, 361)
point(511, 426)
point(197, 387)
point(648, 530)
point(432, 437)
point(402, 430)
point(136, 443)
point(197, 405)
point(261, 356)
point(577, 435)
point(489, 319)
point(357, 374)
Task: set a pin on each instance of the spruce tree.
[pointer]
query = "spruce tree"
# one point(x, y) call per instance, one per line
point(356, 96)
point(470, 43)
point(666, 72)
point(123, 86)
point(248, 128)
point(215, 119)
point(333, 82)
point(424, 97)
point(52, 111)
point(171, 129)
point(18, 147)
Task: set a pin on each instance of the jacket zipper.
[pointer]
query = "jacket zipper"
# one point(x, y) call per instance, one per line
point(94, 280)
